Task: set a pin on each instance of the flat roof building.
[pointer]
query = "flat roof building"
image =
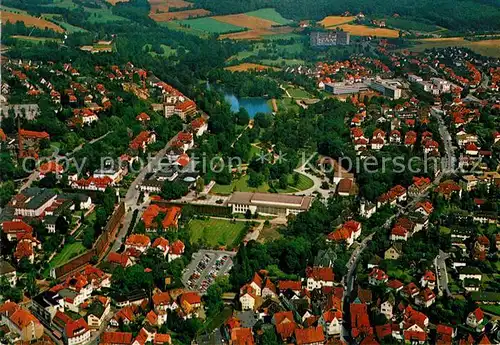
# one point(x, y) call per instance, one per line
point(269, 203)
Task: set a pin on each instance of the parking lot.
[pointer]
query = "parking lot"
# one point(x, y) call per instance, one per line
point(205, 266)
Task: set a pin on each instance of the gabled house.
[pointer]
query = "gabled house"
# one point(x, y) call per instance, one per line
point(285, 325)
point(425, 298)
point(317, 277)
point(410, 291)
point(475, 318)
point(310, 336)
point(377, 277)
point(428, 280)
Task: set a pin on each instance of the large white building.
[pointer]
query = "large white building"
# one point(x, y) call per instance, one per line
point(268, 203)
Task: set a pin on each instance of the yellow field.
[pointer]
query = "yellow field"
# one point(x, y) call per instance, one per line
point(249, 67)
point(335, 20)
point(29, 21)
point(363, 30)
point(485, 47)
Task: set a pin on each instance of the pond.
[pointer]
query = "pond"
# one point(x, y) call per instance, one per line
point(252, 105)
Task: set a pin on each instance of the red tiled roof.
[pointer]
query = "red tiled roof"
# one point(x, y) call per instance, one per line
point(448, 187)
point(242, 336)
point(378, 274)
point(369, 340)
point(184, 136)
point(137, 240)
point(34, 134)
point(383, 331)
point(124, 338)
point(320, 273)
point(23, 318)
point(415, 335)
point(51, 167)
point(74, 328)
point(197, 123)
point(190, 298)
point(290, 284)
point(16, 226)
point(160, 242)
point(162, 339)
point(140, 140)
point(426, 205)
point(121, 259)
point(427, 294)
point(177, 247)
point(3, 137)
point(186, 105)
point(394, 284)
point(479, 314)
point(309, 335)
point(429, 276)
point(399, 231)
point(484, 340)
point(162, 298)
point(143, 117)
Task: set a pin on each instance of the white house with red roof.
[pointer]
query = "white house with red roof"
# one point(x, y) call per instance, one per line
point(348, 233)
point(377, 276)
point(428, 279)
point(331, 320)
point(186, 139)
point(77, 332)
point(318, 277)
point(399, 233)
point(475, 318)
point(176, 250)
point(16, 229)
point(199, 126)
point(162, 245)
point(425, 298)
point(425, 208)
point(138, 242)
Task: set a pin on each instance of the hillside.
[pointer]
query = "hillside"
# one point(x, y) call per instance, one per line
point(461, 15)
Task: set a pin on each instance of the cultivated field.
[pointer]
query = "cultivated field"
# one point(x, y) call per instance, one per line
point(363, 30)
point(485, 47)
point(258, 34)
point(246, 21)
point(165, 5)
point(114, 2)
point(36, 39)
point(181, 15)
point(269, 14)
point(249, 67)
point(335, 20)
point(29, 21)
point(210, 25)
point(216, 232)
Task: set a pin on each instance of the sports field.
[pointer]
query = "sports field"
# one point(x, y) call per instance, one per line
point(216, 232)
point(29, 21)
point(210, 25)
point(335, 20)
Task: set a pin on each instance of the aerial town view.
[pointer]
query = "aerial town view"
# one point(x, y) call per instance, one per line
point(249, 172)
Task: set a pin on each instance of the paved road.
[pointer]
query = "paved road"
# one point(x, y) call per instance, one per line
point(449, 159)
point(442, 274)
point(31, 178)
point(316, 186)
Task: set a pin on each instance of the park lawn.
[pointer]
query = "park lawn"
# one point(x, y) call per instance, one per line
point(66, 26)
point(239, 185)
point(444, 230)
point(210, 25)
point(167, 50)
point(296, 92)
point(269, 14)
point(269, 233)
point(216, 232)
point(408, 24)
point(493, 309)
point(282, 37)
point(282, 62)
